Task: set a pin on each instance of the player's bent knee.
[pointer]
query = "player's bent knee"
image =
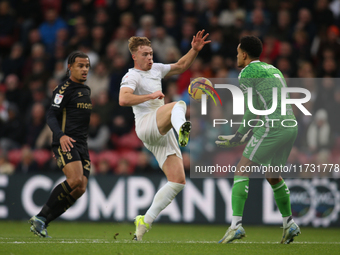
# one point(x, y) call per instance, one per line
point(78, 192)
point(181, 182)
point(181, 103)
point(75, 182)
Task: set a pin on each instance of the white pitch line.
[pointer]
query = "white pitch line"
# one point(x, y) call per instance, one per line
point(104, 241)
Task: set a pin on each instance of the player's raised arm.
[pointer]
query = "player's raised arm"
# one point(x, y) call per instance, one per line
point(127, 98)
point(197, 44)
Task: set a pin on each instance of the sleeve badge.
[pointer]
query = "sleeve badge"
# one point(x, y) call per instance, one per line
point(58, 98)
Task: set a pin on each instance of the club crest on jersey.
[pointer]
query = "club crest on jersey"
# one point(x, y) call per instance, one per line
point(58, 98)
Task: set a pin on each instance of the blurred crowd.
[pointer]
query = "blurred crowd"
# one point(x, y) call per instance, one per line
point(300, 37)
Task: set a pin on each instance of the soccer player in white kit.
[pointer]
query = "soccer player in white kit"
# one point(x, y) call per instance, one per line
point(141, 88)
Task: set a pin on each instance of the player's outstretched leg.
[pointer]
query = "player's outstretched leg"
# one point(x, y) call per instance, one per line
point(162, 199)
point(184, 132)
point(38, 226)
point(290, 232)
point(141, 227)
point(233, 234)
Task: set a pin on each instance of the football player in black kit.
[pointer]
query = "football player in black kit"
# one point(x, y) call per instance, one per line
point(68, 118)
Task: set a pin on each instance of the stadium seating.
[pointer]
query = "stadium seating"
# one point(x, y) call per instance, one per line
point(14, 156)
point(111, 156)
point(42, 156)
point(128, 141)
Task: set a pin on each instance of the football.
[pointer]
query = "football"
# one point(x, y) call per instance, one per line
point(200, 86)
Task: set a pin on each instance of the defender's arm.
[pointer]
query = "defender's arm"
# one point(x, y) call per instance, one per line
point(185, 62)
point(127, 98)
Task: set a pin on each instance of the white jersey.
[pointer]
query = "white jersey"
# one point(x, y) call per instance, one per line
point(144, 83)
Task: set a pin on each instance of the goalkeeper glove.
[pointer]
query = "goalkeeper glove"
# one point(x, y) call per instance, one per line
point(229, 141)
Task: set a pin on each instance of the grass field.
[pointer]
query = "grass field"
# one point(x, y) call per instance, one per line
point(99, 238)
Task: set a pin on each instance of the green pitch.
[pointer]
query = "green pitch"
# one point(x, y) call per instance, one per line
point(101, 238)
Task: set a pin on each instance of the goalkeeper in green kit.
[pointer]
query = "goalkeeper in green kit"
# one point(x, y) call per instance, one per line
point(268, 144)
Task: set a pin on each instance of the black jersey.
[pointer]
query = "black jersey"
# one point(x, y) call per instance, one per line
point(70, 112)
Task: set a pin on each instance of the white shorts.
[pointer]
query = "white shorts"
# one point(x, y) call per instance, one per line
point(161, 146)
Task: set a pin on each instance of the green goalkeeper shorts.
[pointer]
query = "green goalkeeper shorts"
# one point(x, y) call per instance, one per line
point(271, 146)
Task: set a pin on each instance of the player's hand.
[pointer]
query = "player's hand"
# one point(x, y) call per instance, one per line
point(229, 141)
point(198, 40)
point(66, 143)
point(158, 94)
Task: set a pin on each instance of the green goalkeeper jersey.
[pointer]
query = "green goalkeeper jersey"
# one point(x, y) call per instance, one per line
point(262, 78)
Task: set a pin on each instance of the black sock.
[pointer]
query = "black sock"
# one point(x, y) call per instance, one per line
point(44, 211)
point(60, 208)
point(57, 196)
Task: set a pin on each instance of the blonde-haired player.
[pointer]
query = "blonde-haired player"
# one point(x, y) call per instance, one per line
point(141, 88)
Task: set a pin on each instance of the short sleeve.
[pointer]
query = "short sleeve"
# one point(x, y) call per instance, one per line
point(162, 68)
point(129, 81)
point(60, 97)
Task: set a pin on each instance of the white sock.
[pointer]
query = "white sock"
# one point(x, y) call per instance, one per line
point(178, 115)
point(235, 221)
point(287, 221)
point(162, 199)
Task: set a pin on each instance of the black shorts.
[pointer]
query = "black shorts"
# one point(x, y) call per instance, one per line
point(77, 153)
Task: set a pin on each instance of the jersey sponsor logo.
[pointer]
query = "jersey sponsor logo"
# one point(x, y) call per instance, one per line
point(58, 98)
point(84, 106)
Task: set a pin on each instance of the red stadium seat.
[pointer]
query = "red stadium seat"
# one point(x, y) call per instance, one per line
point(14, 156)
point(42, 156)
point(111, 156)
point(93, 157)
point(127, 141)
point(130, 155)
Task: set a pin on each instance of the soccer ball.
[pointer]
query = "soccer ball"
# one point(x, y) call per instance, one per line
point(198, 87)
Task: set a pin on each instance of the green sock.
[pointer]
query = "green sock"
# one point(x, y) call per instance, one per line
point(282, 198)
point(239, 194)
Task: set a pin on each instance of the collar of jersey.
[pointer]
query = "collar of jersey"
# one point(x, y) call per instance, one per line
point(140, 70)
point(254, 61)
